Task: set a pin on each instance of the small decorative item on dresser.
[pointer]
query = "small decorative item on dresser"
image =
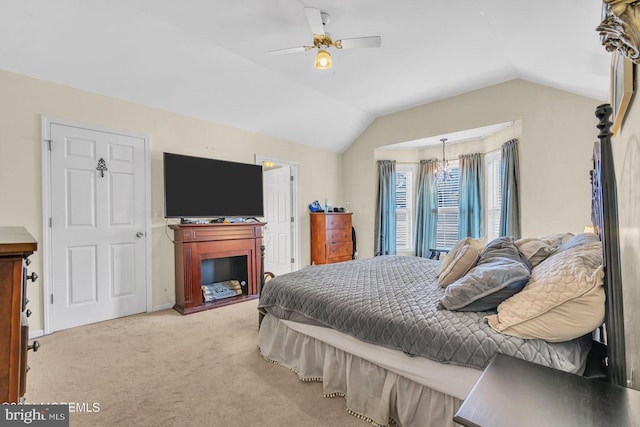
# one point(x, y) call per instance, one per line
point(315, 206)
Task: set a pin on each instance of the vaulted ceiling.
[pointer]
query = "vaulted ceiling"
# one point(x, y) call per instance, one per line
point(208, 58)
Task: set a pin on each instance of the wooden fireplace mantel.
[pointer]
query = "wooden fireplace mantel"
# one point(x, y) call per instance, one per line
point(194, 243)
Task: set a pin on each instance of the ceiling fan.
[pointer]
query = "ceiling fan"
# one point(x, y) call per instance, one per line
point(322, 40)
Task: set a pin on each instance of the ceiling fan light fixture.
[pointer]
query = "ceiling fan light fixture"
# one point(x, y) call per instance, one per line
point(323, 60)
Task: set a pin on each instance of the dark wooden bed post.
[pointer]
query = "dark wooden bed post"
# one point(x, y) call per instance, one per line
point(260, 312)
point(605, 219)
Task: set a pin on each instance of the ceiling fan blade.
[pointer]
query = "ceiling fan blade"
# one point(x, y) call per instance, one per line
point(315, 20)
point(289, 50)
point(374, 41)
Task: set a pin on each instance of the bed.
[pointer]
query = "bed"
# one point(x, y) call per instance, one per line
point(383, 333)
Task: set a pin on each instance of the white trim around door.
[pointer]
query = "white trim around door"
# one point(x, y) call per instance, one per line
point(295, 203)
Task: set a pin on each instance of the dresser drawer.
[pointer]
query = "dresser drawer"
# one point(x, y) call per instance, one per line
point(338, 235)
point(339, 250)
point(340, 259)
point(338, 221)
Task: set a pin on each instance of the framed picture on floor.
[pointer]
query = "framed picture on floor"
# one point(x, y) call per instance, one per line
point(622, 88)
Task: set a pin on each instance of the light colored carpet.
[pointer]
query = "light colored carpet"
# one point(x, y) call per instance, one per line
point(164, 369)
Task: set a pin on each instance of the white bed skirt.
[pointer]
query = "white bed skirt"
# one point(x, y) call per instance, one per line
point(372, 393)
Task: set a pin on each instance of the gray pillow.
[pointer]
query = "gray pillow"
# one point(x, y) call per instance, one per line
point(500, 273)
point(578, 240)
point(503, 247)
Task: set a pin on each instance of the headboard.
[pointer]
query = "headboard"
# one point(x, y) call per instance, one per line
point(604, 215)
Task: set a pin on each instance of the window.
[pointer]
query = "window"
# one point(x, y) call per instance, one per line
point(447, 231)
point(494, 196)
point(404, 207)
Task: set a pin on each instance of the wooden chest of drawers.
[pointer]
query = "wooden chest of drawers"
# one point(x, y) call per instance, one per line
point(331, 237)
point(16, 244)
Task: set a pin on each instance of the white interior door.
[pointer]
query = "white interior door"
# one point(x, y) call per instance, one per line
point(98, 262)
point(278, 215)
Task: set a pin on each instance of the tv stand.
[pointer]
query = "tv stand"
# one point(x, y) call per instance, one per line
point(195, 243)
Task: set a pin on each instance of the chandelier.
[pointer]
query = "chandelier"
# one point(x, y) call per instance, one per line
point(443, 173)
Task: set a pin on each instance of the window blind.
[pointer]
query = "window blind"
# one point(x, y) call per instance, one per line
point(448, 191)
point(493, 193)
point(404, 207)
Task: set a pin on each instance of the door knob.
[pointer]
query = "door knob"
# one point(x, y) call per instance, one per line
point(139, 234)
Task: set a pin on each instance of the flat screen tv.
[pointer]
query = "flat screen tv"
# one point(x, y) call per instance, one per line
point(198, 187)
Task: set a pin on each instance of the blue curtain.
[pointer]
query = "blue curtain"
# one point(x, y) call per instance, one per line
point(426, 208)
point(386, 209)
point(510, 173)
point(470, 207)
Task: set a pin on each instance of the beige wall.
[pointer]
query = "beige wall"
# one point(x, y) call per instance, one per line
point(557, 133)
point(24, 100)
point(626, 150)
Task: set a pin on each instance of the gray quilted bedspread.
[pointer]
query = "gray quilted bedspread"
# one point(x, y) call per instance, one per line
point(393, 301)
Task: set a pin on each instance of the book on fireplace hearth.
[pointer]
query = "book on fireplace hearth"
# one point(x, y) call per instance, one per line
point(216, 291)
point(209, 292)
point(233, 285)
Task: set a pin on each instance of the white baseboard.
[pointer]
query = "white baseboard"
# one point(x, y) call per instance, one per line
point(162, 307)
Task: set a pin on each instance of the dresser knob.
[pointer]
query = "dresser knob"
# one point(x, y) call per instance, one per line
point(33, 277)
point(28, 312)
point(35, 346)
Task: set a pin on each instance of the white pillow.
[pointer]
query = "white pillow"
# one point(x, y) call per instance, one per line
point(464, 260)
point(535, 250)
point(453, 253)
point(563, 300)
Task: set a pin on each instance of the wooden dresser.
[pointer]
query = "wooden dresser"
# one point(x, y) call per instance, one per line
point(16, 244)
point(331, 237)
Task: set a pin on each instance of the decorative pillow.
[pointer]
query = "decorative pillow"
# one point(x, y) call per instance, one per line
point(465, 258)
point(535, 250)
point(578, 240)
point(500, 273)
point(453, 253)
point(563, 300)
point(503, 247)
point(556, 239)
